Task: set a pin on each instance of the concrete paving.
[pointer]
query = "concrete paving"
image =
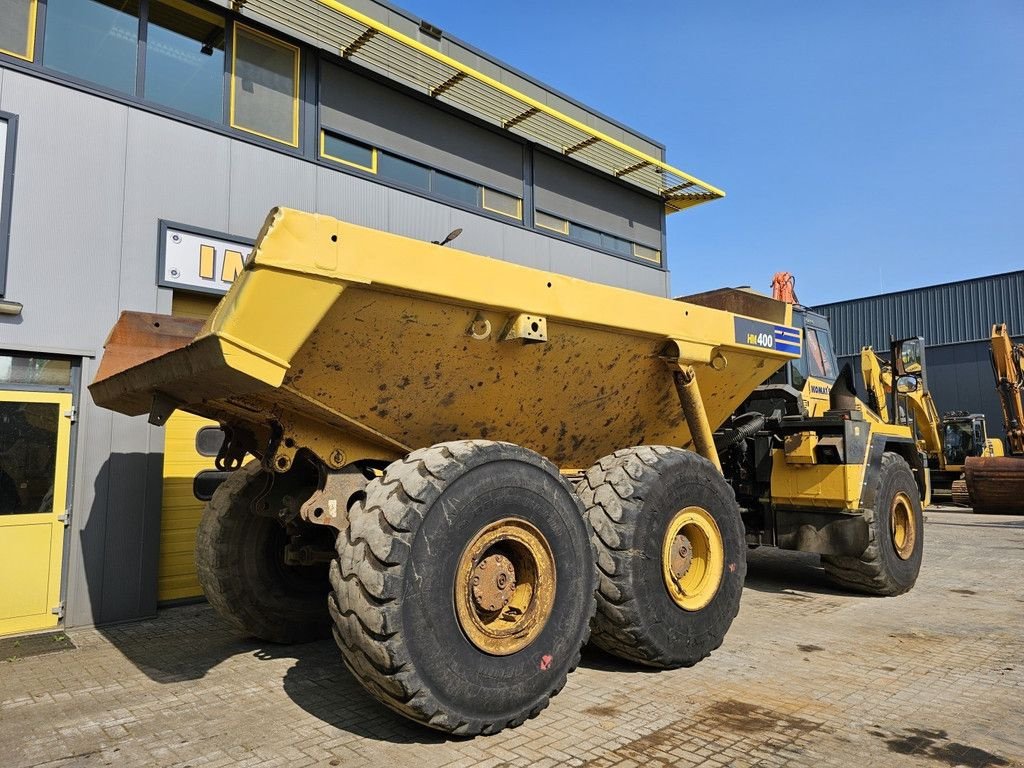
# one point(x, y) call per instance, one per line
point(807, 676)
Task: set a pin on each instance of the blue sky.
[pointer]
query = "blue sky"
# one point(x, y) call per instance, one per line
point(865, 146)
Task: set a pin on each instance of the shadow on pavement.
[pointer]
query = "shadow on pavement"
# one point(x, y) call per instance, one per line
point(184, 643)
point(778, 571)
point(594, 658)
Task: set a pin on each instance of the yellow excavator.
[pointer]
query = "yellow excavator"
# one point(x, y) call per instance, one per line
point(948, 440)
point(995, 484)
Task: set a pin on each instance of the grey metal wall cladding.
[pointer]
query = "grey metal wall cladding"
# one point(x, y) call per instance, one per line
point(77, 258)
point(583, 197)
point(960, 379)
point(943, 314)
point(351, 199)
point(383, 117)
point(261, 180)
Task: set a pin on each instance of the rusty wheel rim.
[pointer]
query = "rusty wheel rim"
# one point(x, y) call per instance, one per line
point(903, 526)
point(505, 586)
point(692, 558)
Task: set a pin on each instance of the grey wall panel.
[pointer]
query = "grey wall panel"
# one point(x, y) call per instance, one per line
point(417, 217)
point(385, 118)
point(943, 314)
point(479, 234)
point(609, 270)
point(174, 172)
point(66, 214)
point(647, 280)
point(526, 248)
point(261, 180)
point(84, 559)
point(571, 260)
point(351, 199)
point(586, 198)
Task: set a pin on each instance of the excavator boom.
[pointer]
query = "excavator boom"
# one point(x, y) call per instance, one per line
point(996, 485)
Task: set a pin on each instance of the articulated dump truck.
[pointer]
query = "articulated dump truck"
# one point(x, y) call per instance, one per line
point(464, 468)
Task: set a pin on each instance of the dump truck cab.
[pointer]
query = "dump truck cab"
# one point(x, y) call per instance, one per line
point(814, 372)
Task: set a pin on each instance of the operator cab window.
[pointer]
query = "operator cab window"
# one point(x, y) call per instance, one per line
point(821, 358)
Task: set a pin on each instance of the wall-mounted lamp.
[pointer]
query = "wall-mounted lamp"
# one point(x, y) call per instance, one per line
point(10, 307)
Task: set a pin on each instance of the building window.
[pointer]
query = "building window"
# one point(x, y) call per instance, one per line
point(8, 131)
point(343, 150)
point(18, 28)
point(647, 254)
point(185, 59)
point(265, 86)
point(499, 202)
point(595, 238)
point(547, 221)
point(404, 172)
point(407, 173)
point(585, 235)
point(96, 40)
point(453, 188)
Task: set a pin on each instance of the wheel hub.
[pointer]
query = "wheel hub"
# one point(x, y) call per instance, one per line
point(494, 582)
point(903, 526)
point(682, 556)
point(692, 558)
point(505, 586)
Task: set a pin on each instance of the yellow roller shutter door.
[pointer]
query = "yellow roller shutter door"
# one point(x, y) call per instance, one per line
point(182, 462)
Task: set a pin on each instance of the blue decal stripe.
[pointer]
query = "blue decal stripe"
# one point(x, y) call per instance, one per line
point(792, 348)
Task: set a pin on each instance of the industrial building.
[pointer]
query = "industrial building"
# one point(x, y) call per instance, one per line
point(142, 144)
point(955, 319)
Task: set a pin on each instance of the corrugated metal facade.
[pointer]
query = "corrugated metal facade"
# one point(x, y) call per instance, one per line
point(951, 313)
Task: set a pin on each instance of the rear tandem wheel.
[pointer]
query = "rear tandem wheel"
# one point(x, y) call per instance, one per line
point(464, 586)
point(671, 554)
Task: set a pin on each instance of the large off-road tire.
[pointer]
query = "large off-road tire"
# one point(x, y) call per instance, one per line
point(403, 583)
point(240, 564)
point(640, 501)
point(890, 563)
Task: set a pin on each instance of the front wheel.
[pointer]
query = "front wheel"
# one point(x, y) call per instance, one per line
point(240, 561)
point(892, 560)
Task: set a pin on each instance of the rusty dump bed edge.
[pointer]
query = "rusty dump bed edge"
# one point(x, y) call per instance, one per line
point(396, 343)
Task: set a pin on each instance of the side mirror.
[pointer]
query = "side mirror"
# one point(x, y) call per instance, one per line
point(907, 384)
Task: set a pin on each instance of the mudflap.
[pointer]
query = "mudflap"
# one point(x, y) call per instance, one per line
point(822, 532)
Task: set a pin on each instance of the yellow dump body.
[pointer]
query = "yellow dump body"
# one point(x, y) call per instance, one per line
point(340, 338)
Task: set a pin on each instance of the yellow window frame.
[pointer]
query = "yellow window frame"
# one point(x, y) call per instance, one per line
point(371, 168)
point(30, 40)
point(655, 251)
point(565, 223)
point(295, 97)
point(483, 203)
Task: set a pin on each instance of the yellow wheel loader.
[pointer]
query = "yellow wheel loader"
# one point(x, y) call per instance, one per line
point(948, 441)
point(464, 468)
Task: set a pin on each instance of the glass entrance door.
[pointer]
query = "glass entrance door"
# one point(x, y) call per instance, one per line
point(35, 441)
